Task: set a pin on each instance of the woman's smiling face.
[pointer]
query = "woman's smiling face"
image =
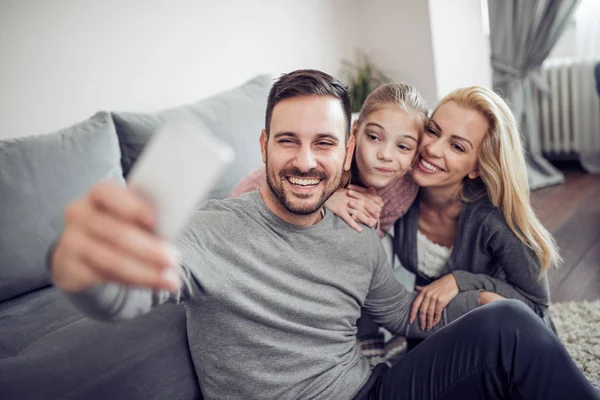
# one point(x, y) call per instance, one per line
point(449, 150)
point(386, 144)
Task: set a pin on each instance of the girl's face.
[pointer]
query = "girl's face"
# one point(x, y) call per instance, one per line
point(386, 144)
point(449, 150)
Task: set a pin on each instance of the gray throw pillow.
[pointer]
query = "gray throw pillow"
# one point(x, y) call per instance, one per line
point(39, 176)
point(235, 116)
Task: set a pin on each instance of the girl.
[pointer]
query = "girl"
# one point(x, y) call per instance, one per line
point(471, 236)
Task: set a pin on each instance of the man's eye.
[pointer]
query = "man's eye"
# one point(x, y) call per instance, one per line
point(325, 144)
point(431, 132)
point(285, 141)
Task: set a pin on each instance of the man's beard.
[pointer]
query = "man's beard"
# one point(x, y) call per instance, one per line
point(300, 209)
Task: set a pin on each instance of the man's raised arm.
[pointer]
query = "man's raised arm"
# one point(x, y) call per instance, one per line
point(109, 262)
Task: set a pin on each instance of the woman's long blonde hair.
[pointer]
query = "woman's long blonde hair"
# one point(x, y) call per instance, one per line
point(502, 170)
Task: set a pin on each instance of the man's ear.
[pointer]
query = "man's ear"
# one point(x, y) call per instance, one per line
point(349, 152)
point(354, 129)
point(264, 140)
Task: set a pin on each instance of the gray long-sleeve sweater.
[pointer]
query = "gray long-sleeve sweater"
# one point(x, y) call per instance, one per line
point(487, 255)
point(272, 307)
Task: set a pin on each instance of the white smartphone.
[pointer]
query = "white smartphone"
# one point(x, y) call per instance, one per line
point(176, 170)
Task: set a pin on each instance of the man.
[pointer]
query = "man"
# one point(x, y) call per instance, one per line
point(274, 283)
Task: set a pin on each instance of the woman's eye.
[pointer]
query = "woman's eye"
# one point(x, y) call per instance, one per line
point(373, 137)
point(431, 132)
point(403, 147)
point(458, 147)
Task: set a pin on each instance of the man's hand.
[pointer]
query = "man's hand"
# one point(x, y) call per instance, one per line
point(108, 237)
point(488, 297)
point(432, 300)
point(356, 203)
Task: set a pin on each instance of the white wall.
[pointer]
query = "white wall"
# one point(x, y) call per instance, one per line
point(398, 35)
point(461, 48)
point(63, 60)
point(435, 45)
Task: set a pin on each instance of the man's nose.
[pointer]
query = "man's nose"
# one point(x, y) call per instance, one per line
point(305, 159)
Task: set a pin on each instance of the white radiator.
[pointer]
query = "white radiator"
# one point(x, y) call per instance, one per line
point(569, 115)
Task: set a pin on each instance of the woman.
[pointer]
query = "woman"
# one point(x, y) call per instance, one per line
point(471, 236)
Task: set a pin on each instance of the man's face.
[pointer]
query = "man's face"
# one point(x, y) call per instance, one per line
point(305, 153)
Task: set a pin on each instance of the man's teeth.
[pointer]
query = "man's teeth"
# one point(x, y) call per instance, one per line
point(429, 166)
point(304, 182)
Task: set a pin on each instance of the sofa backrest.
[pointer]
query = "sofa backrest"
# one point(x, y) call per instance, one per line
point(39, 176)
point(235, 116)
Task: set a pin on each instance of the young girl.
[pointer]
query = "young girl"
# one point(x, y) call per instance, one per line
point(378, 190)
point(471, 236)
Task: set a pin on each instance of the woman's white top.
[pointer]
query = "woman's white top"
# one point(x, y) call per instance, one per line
point(432, 256)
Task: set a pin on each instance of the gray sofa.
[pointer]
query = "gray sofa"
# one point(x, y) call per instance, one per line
point(48, 350)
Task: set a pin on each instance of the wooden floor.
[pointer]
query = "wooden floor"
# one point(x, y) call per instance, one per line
point(572, 213)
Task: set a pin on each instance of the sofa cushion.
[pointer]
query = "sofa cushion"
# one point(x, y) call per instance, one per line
point(48, 350)
point(39, 176)
point(236, 116)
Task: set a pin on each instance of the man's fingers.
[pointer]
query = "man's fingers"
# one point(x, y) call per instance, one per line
point(68, 270)
point(114, 266)
point(131, 240)
point(124, 203)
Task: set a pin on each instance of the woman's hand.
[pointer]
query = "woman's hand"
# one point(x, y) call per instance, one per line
point(356, 203)
point(488, 297)
point(432, 300)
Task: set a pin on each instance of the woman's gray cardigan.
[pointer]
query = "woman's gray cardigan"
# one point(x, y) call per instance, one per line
point(487, 255)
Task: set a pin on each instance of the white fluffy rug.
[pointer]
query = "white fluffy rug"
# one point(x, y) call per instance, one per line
point(578, 326)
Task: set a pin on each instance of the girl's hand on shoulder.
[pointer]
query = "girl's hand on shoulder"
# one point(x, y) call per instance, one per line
point(432, 300)
point(338, 204)
point(365, 205)
point(354, 204)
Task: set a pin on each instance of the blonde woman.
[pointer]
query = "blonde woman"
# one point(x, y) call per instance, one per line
point(471, 236)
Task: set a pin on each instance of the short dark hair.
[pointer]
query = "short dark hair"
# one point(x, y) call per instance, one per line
point(308, 82)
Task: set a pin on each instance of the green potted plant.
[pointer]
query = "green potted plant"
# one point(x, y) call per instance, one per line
point(362, 76)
